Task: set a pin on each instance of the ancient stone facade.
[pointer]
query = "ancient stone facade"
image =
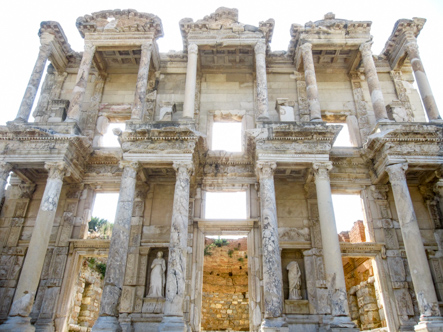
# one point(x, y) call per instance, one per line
point(290, 105)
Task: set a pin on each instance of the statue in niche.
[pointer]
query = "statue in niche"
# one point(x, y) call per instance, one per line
point(294, 276)
point(158, 279)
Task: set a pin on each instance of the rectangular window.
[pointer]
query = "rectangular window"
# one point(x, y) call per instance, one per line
point(225, 205)
point(226, 136)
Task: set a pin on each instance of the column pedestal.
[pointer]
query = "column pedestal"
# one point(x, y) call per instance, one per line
point(430, 317)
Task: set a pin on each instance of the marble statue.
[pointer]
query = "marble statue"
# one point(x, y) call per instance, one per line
point(294, 276)
point(158, 280)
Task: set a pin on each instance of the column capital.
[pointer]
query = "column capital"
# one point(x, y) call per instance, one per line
point(89, 47)
point(306, 47)
point(134, 165)
point(183, 169)
point(411, 46)
point(5, 169)
point(321, 169)
point(265, 169)
point(396, 172)
point(57, 170)
point(192, 49)
point(146, 47)
point(260, 47)
point(365, 48)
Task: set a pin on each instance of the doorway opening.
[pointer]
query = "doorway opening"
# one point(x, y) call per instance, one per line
point(365, 303)
point(225, 300)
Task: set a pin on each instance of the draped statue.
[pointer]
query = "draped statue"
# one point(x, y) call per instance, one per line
point(158, 279)
point(294, 276)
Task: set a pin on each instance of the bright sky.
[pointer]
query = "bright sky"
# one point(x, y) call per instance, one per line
point(347, 210)
point(231, 205)
point(105, 206)
point(226, 136)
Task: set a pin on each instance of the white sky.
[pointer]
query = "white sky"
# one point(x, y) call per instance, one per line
point(21, 20)
point(226, 136)
point(230, 205)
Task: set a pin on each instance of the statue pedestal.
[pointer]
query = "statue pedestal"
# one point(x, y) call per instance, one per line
point(300, 307)
point(153, 305)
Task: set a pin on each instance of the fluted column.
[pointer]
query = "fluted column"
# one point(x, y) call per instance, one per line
point(415, 251)
point(262, 84)
point(33, 84)
point(272, 272)
point(378, 103)
point(5, 169)
point(78, 93)
point(311, 82)
point(422, 80)
point(176, 275)
point(118, 252)
point(138, 107)
point(191, 79)
point(19, 319)
point(331, 246)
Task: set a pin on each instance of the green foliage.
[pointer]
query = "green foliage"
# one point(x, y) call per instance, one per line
point(101, 226)
point(241, 260)
point(221, 242)
point(208, 248)
point(246, 256)
point(230, 252)
point(97, 266)
point(236, 248)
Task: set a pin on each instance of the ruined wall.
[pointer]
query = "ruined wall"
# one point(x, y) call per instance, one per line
point(225, 287)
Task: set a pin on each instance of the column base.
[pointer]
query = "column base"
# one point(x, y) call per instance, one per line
point(17, 324)
point(274, 325)
point(430, 324)
point(107, 323)
point(46, 325)
point(172, 324)
point(342, 323)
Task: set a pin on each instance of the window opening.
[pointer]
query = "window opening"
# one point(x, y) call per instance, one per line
point(227, 136)
point(225, 298)
point(225, 205)
point(103, 215)
point(348, 211)
point(109, 139)
point(343, 139)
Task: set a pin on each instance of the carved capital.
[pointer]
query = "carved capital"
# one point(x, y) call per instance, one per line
point(89, 49)
point(397, 172)
point(130, 168)
point(57, 170)
point(265, 169)
point(192, 49)
point(260, 47)
point(321, 170)
point(146, 47)
point(183, 169)
point(306, 47)
point(365, 49)
point(412, 48)
point(5, 169)
point(141, 191)
point(379, 192)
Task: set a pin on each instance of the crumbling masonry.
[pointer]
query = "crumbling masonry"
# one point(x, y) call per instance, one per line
point(165, 166)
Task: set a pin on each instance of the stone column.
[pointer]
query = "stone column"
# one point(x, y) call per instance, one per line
point(78, 93)
point(262, 84)
point(191, 79)
point(331, 247)
point(176, 276)
point(311, 82)
point(5, 169)
point(19, 319)
point(139, 105)
point(422, 80)
point(118, 252)
point(415, 251)
point(272, 272)
point(33, 84)
point(378, 103)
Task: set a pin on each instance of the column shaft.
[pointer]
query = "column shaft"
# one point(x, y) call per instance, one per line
point(118, 252)
point(311, 82)
point(138, 107)
point(415, 251)
point(191, 79)
point(262, 84)
point(272, 272)
point(176, 274)
point(422, 81)
point(331, 246)
point(33, 84)
point(78, 93)
point(378, 103)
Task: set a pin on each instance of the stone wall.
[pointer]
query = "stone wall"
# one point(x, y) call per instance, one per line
point(225, 287)
point(89, 288)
